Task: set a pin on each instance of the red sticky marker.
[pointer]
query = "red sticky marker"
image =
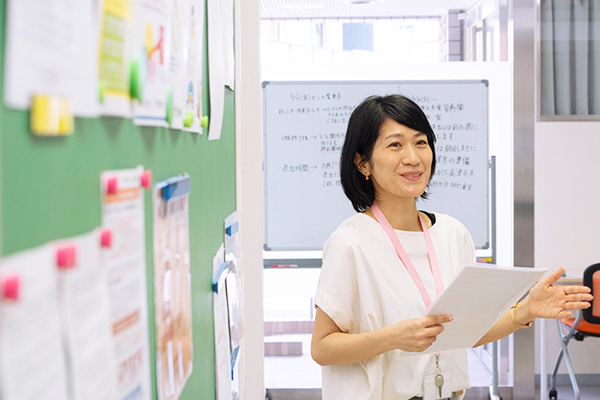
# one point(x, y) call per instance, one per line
point(106, 238)
point(65, 257)
point(10, 287)
point(146, 179)
point(112, 185)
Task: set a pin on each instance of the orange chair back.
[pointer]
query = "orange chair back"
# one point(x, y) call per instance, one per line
point(596, 290)
point(591, 279)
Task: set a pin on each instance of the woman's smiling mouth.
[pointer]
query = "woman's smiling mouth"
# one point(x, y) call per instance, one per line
point(412, 176)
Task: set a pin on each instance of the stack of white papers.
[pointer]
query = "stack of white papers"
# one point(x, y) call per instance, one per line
point(477, 297)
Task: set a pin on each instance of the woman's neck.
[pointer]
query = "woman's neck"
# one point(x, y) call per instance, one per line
point(402, 214)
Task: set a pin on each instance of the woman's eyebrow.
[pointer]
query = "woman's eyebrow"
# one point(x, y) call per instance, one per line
point(402, 135)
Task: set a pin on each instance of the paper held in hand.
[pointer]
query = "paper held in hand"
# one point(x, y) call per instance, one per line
point(477, 297)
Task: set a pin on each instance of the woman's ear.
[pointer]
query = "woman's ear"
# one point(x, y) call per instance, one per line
point(361, 164)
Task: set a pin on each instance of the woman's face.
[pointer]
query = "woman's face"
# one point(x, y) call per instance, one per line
point(400, 165)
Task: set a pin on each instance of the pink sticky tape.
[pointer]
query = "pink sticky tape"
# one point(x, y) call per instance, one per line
point(10, 287)
point(112, 185)
point(106, 238)
point(146, 179)
point(65, 257)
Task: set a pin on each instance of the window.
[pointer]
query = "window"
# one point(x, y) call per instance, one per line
point(570, 59)
point(347, 41)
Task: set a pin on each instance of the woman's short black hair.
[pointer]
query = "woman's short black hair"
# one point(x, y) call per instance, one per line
point(361, 135)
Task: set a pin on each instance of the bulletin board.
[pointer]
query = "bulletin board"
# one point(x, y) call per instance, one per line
point(304, 126)
point(50, 189)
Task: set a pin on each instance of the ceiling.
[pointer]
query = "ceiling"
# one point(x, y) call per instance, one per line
point(292, 9)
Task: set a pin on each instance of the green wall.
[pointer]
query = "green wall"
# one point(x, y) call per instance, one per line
point(50, 189)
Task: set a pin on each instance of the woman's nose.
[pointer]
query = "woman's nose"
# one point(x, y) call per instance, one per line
point(410, 156)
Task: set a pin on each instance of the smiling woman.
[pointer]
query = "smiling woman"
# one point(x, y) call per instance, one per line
point(400, 166)
point(380, 269)
point(383, 132)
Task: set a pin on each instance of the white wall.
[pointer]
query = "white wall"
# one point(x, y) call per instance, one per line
point(567, 215)
point(567, 195)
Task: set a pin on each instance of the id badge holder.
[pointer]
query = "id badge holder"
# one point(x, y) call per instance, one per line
point(437, 386)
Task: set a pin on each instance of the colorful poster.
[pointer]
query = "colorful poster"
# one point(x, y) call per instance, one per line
point(172, 286)
point(115, 44)
point(151, 57)
point(32, 365)
point(125, 263)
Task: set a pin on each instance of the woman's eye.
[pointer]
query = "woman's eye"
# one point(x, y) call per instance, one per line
point(395, 144)
point(422, 142)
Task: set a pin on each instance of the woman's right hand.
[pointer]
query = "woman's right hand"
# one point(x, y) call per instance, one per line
point(330, 346)
point(417, 334)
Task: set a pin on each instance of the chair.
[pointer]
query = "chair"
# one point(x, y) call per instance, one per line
point(585, 323)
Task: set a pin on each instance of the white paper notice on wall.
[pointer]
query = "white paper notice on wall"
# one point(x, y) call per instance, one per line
point(52, 50)
point(221, 325)
point(32, 365)
point(228, 37)
point(84, 301)
point(216, 69)
point(125, 263)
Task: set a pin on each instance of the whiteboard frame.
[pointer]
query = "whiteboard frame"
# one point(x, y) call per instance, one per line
point(279, 256)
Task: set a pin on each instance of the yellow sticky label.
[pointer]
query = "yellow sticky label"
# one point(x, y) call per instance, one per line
point(66, 120)
point(51, 116)
point(45, 115)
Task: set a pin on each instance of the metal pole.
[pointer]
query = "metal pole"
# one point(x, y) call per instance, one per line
point(494, 387)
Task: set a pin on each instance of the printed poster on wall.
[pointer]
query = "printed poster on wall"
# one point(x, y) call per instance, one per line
point(185, 69)
point(114, 54)
point(151, 57)
point(32, 366)
point(172, 286)
point(125, 263)
point(51, 50)
point(58, 289)
point(84, 300)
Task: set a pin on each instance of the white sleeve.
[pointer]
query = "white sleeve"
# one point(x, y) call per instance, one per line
point(337, 289)
point(469, 248)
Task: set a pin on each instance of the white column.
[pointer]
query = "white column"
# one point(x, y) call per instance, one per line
point(249, 193)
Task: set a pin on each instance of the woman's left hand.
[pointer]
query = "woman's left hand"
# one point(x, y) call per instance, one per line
point(548, 301)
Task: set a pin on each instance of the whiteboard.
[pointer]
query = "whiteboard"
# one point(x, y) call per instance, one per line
point(304, 124)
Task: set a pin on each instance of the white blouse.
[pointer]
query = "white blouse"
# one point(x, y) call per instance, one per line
point(364, 286)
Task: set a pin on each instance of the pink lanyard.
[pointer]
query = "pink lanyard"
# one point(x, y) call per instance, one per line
point(433, 264)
